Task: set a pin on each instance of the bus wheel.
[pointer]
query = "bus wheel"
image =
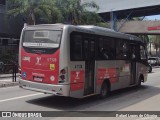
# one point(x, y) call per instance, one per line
point(104, 90)
point(139, 82)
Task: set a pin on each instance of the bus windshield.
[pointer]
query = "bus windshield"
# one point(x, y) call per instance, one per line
point(41, 38)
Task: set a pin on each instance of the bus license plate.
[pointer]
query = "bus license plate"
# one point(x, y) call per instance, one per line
point(39, 79)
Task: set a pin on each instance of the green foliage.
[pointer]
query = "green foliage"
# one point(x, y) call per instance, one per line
point(145, 38)
point(76, 12)
point(53, 11)
point(32, 9)
point(103, 24)
point(155, 40)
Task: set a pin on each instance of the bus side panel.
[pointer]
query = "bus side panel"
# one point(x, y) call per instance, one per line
point(105, 70)
point(124, 75)
point(77, 79)
point(75, 69)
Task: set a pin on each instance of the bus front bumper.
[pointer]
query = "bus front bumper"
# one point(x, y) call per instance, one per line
point(60, 90)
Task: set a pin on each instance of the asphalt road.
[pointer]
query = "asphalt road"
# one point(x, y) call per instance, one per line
point(146, 98)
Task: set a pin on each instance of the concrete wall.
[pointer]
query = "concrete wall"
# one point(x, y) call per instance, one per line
point(140, 27)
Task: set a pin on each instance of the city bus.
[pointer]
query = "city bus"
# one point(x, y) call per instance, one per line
point(79, 61)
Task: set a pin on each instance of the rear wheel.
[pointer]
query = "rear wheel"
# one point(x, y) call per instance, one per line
point(104, 90)
point(149, 68)
point(140, 81)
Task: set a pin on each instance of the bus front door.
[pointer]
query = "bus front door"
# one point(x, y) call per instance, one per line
point(89, 52)
point(133, 64)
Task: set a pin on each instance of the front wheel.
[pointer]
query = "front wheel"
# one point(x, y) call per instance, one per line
point(149, 68)
point(104, 90)
point(140, 82)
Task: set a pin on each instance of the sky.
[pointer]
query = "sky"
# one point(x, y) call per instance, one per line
point(154, 17)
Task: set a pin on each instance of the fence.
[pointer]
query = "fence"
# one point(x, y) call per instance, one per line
point(9, 70)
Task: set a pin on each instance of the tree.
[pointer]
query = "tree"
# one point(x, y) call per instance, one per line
point(75, 12)
point(156, 43)
point(32, 9)
point(150, 44)
point(53, 11)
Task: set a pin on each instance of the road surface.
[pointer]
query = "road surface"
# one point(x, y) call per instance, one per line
point(146, 98)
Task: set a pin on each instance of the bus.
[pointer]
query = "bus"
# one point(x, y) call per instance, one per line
point(79, 61)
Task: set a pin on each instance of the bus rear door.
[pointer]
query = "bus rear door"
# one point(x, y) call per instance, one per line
point(134, 57)
point(89, 56)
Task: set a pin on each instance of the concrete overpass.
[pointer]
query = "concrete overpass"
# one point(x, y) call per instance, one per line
point(112, 10)
point(123, 8)
point(140, 27)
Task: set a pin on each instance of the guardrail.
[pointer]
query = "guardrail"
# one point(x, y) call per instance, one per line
point(9, 69)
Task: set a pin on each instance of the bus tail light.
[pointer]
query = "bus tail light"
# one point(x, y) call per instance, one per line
point(63, 71)
point(19, 71)
point(63, 76)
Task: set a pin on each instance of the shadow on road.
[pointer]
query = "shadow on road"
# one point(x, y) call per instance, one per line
point(118, 99)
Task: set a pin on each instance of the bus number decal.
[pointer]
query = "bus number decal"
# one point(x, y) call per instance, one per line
point(78, 66)
point(51, 59)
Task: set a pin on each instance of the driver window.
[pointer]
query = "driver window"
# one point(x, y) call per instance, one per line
point(143, 53)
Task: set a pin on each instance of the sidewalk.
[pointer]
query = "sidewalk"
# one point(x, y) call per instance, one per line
point(6, 80)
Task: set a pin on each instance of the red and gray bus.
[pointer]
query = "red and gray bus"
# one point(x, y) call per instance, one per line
point(79, 61)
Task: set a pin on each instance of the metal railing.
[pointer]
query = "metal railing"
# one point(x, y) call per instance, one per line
point(9, 70)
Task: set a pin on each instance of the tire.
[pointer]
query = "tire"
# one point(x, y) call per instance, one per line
point(104, 90)
point(139, 82)
point(149, 68)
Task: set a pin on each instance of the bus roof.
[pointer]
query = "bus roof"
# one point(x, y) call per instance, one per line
point(86, 28)
point(110, 32)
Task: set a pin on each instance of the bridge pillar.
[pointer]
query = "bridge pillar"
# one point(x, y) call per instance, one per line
point(113, 21)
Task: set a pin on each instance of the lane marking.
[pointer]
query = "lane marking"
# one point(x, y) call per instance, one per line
point(15, 98)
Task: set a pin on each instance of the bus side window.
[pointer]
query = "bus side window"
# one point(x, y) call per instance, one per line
point(106, 48)
point(86, 55)
point(100, 48)
point(76, 47)
point(133, 53)
point(122, 50)
point(143, 55)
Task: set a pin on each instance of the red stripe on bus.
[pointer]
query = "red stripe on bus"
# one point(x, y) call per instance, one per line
point(99, 82)
point(107, 73)
point(77, 86)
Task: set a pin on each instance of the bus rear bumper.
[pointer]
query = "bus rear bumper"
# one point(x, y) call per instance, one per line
point(59, 90)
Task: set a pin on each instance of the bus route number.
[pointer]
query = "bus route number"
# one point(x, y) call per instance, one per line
point(78, 66)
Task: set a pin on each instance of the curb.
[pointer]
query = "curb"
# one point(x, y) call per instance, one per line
point(5, 76)
point(9, 84)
